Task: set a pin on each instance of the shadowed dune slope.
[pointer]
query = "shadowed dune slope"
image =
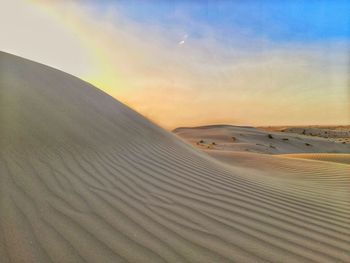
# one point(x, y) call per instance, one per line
point(83, 178)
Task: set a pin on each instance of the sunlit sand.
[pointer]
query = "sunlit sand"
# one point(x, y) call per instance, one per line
point(86, 179)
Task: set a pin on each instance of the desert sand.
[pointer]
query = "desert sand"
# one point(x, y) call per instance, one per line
point(329, 157)
point(267, 141)
point(86, 179)
point(335, 131)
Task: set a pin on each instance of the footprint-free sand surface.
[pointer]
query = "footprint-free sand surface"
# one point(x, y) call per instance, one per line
point(327, 157)
point(335, 131)
point(84, 178)
point(268, 140)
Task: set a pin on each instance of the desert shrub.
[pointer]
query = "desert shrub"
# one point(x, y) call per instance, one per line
point(233, 138)
point(307, 144)
point(285, 139)
point(270, 136)
point(201, 141)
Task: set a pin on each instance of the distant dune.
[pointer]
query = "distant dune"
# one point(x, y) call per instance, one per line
point(340, 131)
point(86, 179)
point(271, 141)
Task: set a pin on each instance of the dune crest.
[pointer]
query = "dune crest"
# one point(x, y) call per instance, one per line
point(86, 179)
point(326, 157)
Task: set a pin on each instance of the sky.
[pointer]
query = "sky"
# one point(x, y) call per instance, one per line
point(189, 63)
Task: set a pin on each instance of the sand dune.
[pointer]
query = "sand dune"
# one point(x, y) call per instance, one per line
point(86, 179)
point(319, 131)
point(327, 157)
point(250, 139)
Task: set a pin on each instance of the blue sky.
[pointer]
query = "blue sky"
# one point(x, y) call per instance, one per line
point(308, 20)
point(224, 57)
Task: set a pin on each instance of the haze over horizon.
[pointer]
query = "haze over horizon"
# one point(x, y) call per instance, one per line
point(191, 63)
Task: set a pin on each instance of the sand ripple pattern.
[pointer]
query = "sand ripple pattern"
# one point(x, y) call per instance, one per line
point(85, 179)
